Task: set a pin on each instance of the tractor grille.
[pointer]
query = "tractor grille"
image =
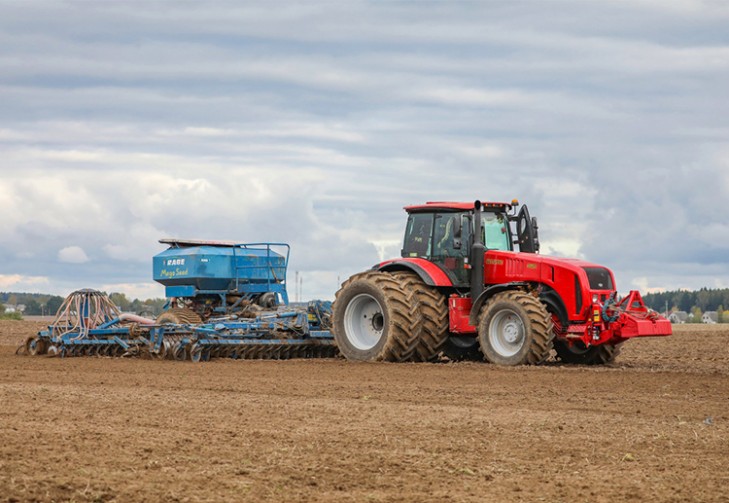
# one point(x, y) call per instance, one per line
point(599, 278)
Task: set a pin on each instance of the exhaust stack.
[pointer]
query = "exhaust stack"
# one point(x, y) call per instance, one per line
point(477, 251)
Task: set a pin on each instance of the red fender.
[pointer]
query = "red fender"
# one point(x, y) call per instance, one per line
point(430, 273)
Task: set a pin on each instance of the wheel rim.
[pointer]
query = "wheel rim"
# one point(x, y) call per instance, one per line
point(364, 322)
point(507, 333)
point(32, 346)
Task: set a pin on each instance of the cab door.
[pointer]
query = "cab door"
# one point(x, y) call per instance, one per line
point(451, 235)
point(526, 231)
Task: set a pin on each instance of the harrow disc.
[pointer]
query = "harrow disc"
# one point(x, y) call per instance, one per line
point(180, 352)
point(195, 353)
point(162, 353)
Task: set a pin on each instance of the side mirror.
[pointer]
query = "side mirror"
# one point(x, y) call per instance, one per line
point(457, 225)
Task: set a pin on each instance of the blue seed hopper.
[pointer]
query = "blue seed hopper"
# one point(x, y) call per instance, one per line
point(216, 278)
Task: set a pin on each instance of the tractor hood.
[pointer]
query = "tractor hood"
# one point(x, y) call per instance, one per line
point(532, 261)
point(572, 264)
point(504, 266)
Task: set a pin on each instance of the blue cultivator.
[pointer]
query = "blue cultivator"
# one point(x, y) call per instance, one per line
point(279, 335)
point(224, 300)
point(89, 324)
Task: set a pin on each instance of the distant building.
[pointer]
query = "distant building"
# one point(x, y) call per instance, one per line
point(678, 317)
point(710, 317)
point(14, 308)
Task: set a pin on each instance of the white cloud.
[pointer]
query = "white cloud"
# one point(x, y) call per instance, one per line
point(21, 283)
point(140, 291)
point(72, 255)
point(245, 123)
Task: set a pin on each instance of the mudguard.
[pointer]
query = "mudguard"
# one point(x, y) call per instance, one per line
point(429, 272)
point(487, 294)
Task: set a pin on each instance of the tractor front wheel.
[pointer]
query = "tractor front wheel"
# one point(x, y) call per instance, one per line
point(594, 355)
point(514, 329)
point(373, 318)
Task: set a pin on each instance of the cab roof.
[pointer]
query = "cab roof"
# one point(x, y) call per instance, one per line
point(456, 206)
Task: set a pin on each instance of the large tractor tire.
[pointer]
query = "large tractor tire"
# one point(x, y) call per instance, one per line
point(594, 355)
point(373, 318)
point(515, 328)
point(430, 315)
point(179, 316)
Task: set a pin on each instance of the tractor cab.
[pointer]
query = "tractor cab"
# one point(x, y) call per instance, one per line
point(441, 232)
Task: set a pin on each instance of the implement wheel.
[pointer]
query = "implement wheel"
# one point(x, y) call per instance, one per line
point(515, 328)
point(594, 355)
point(374, 318)
point(35, 346)
point(430, 315)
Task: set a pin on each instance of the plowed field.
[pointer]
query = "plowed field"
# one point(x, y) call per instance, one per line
point(652, 427)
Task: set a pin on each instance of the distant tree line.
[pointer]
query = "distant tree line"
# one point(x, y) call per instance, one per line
point(43, 304)
point(35, 303)
point(150, 307)
point(695, 303)
point(706, 299)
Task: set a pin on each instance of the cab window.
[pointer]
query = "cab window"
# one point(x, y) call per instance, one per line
point(417, 235)
point(496, 231)
point(444, 235)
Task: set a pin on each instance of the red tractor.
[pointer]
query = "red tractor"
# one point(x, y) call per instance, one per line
point(461, 290)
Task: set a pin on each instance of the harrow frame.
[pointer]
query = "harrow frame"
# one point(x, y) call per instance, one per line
point(84, 331)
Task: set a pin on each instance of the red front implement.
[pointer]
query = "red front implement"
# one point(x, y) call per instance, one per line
point(616, 321)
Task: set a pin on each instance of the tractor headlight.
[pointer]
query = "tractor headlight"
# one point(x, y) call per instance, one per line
point(595, 298)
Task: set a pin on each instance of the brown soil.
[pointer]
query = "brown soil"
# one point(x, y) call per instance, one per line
point(652, 427)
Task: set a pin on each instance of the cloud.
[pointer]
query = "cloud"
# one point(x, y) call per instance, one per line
point(232, 121)
point(72, 255)
point(20, 283)
point(142, 291)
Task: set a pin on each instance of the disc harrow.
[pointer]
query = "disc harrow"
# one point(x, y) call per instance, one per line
point(89, 324)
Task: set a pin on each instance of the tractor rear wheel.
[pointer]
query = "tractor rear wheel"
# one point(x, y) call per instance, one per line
point(430, 315)
point(515, 328)
point(373, 318)
point(179, 316)
point(594, 355)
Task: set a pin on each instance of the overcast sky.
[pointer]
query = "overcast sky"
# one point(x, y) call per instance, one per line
point(314, 123)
